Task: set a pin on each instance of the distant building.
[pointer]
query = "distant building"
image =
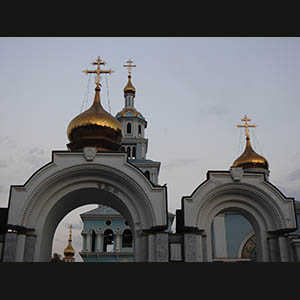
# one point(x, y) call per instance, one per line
point(107, 236)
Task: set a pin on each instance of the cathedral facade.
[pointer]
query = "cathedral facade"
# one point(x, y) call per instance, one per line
point(234, 215)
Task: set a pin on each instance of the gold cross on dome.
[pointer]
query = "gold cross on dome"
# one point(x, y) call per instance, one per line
point(246, 126)
point(98, 62)
point(129, 66)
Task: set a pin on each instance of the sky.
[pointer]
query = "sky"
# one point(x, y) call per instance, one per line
point(191, 90)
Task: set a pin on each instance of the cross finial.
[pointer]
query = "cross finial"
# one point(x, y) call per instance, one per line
point(98, 62)
point(246, 126)
point(70, 233)
point(129, 66)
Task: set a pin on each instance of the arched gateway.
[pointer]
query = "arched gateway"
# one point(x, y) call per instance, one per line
point(74, 179)
point(93, 171)
point(106, 164)
point(269, 212)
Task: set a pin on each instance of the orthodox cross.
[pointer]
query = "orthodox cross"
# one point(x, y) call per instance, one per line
point(129, 66)
point(70, 233)
point(246, 126)
point(98, 62)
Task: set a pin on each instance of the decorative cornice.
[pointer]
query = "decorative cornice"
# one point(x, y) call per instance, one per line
point(95, 167)
point(241, 188)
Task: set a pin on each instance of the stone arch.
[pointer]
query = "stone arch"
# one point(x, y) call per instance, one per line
point(99, 176)
point(244, 196)
point(247, 200)
point(255, 218)
point(57, 189)
point(269, 212)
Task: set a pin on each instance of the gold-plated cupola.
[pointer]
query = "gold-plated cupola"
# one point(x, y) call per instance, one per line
point(249, 158)
point(129, 86)
point(69, 251)
point(95, 127)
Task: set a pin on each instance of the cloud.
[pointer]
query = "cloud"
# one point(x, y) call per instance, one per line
point(36, 157)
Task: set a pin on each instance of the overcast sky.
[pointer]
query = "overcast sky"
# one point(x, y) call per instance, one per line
point(192, 91)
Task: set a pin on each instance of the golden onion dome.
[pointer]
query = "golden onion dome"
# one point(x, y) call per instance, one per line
point(95, 115)
point(92, 125)
point(129, 86)
point(69, 250)
point(250, 159)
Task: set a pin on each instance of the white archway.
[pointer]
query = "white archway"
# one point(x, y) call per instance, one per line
point(70, 181)
point(269, 212)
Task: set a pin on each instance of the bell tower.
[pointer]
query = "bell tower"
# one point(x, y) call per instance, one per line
point(133, 131)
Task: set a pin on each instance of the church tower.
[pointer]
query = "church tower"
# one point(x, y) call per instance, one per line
point(133, 129)
point(69, 252)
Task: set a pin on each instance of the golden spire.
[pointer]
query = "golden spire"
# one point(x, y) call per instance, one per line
point(249, 158)
point(129, 86)
point(69, 251)
point(98, 62)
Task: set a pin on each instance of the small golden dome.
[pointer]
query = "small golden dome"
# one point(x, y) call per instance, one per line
point(92, 125)
point(250, 159)
point(69, 250)
point(129, 86)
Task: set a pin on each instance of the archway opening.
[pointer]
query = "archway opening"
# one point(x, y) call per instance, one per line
point(233, 237)
point(101, 225)
point(97, 235)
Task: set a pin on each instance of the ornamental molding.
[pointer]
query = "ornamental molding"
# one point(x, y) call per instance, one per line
point(239, 188)
point(108, 187)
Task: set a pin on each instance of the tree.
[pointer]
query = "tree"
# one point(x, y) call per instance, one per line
point(56, 258)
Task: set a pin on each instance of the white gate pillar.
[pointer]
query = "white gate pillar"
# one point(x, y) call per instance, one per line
point(284, 253)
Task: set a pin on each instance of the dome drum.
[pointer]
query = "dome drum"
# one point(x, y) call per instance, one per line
point(103, 138)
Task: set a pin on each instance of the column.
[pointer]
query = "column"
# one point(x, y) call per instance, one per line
point(220, 236)
point(29, 248)
point(89, 242)
point(99, 242)
point(296, 246)
point(199, 248)
point(274, 249)
point(141, 246)
point(10, 246)
point(204, 248)
point(162, 247)
point(118, 242)
point(151, 247)
point(83, 242)
point(189, 247)
point(21, 237)
point(284, 253)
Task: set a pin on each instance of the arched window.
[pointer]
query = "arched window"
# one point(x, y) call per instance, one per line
point(123, 149)
point(133, 152)
point(129, 152)
point(127, 239)
point(128, 127)
point(108, 241)
point(93, 240)
point(140, 129)
point(147, 174)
